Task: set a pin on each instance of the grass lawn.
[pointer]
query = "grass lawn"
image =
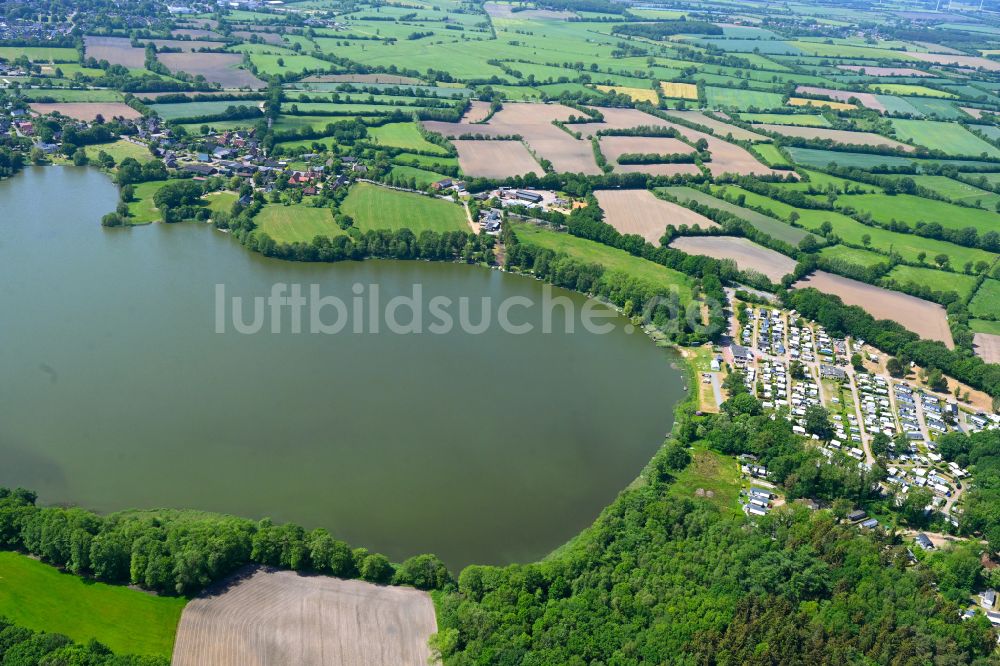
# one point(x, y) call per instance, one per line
point(141, 209)
point(42, 598)
point(986, 302)
point(713, 473)
point(421, 177)
point(374, 207)
point(297, 223)
point(912, 209)
point(220, 202)
point(957, 190)
point(738, 98)
point(985, 326)
point(611, 258)
point(851, 255)
point(770, 154)
point(402, 135)
point(951, 138)
point(119, 150)
point(934, 279)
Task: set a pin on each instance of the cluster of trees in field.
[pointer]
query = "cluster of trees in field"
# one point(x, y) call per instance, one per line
point(173, 552)
point(892, 338)
point(664, 577)
point(20, 646)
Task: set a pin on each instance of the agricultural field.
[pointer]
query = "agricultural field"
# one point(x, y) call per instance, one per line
point(116, 50)
point(375, 207)
point(40, 597)
point(40, 54)
point(612, 259)
point(837, 136)
point(613, 147)
point(221, 68)
point(768, 225)
point(797, 119)
point(495, 159)
point(717, 127)
point(771, 155)
point(190, 110)
point(947, 137)
point(820, 103)
point(986, 302)
point(643, 213)
point(919, 91)
point(958, 191)
point(282, 617)
point(926, 319)
point(678, 90)
point(748, 255)
point(87, 111)
point(741, 100)
point(637, 94)
point(913, 209)
point(403, 135)
point(413, 177)
point(936, 280)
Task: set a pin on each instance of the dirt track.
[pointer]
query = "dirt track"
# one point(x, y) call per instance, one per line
point(926, 319)
point(279, 618)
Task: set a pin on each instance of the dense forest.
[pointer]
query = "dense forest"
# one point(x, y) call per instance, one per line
point(666, 579)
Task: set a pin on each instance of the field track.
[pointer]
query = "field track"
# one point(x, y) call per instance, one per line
point(280, 618)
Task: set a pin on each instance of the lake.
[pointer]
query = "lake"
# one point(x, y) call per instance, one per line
point(119, 393)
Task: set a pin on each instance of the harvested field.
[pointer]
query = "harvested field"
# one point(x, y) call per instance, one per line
point(477, 112)
point(641, 212)
point(868, 100)
point(718, 128)
point(496, 159)
point(196, 33)
point(726, 157)
point(280, 617)
point(186, 45)
point(884, 71)
point(926, 319)
point(391, 79)
point(116, 50)
point(221, 68)
point(987, 346)
point(746, 254)
point(87, 111)
point(614, 147)
point(840, 136)
point(266, 37)
point(974, 62)
point(679, 90)
point(533, 122)
point(819, 103)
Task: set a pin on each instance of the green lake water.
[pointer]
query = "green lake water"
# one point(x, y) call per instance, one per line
point(117, 392)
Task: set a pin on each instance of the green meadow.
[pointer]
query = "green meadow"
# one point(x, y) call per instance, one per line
point(374, 207)
point(40, 597)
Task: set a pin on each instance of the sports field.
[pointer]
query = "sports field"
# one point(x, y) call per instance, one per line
point(128, 621)
point(374, 207)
